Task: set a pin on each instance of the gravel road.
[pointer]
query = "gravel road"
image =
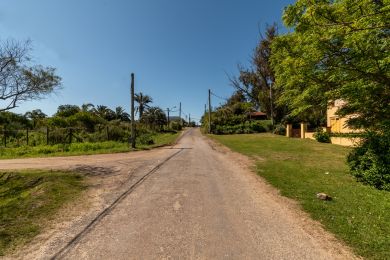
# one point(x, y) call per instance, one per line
point(197, 201)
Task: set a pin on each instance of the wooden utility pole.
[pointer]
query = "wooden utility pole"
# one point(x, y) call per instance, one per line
point(209, 111)
point(132, 112)
point(181, 121)
point(189, 119)
point(270, 102)
point(47, 135)
point(168, 116)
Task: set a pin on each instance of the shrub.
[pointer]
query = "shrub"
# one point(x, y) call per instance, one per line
point(321, 136)
point(146, 139)
point(280, 129)
point(175, 125)
point(369, 162)
point(243, 128)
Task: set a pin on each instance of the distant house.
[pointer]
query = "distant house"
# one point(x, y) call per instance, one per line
point(336, 123)
point(258, 115)
point(175, 118)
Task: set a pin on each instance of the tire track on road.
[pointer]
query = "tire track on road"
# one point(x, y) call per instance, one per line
point(111, 207)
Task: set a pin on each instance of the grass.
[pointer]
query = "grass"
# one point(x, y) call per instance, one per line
point(83, 148)
point(358, 214)
point(28, 199)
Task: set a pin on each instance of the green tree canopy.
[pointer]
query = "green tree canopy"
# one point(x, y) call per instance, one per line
point(143, 102)
point(258, 81)
point(154, 117)
point(67, 110)
point(338, 49)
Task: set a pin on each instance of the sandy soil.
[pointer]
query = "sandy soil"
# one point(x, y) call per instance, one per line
point(197, 200)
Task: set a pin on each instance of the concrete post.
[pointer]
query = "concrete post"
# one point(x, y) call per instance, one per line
point(326, 129)
point(303, 130)
point(289, 130)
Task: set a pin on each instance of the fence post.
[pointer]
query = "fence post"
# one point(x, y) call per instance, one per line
point(289, 130)
point(47, 135)
point(5, 137)
point(27, 136)
point(303, 130)
point(70, 135)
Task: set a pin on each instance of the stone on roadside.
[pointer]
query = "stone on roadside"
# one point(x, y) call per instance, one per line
point(323, 196)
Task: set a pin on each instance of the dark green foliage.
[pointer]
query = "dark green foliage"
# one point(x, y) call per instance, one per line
point(85, 120)
point(258, 81)
point(321, 136)
point(244, 128)
point(175, 125)
point(67, 110)
point(280, 129)
point(143, 102)
point(336, 50)
point(370, 162)
point(146, 139)
point(154, 117)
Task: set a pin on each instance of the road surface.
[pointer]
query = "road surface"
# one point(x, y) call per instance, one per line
point(189, 202)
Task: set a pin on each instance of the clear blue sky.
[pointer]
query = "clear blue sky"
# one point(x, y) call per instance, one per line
point(178, 49)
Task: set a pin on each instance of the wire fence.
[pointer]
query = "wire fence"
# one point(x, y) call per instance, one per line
point(67, 135)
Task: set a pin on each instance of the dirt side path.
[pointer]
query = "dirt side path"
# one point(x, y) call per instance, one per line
point(201, 204)
point(108, 176)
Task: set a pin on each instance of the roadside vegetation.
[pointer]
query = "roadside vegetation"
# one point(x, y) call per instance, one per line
point(357, 214)
point(87, 148)
point(28, 199)
point(334, 50)
point(75, 130)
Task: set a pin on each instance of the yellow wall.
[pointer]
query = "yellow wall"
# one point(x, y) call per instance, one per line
point(336, 123)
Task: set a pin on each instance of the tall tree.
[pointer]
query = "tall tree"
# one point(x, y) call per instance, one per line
point(87, 107)
point(36, 116)
point(121, 114)
point(154, 117)
point(258, 82)
point(20, 81)
point(105, 112)
point(67, 110)
point(143, 102)
point(338, 50)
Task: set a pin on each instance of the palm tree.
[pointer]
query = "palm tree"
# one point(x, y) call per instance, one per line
point(143, 101)
point(105, 112)
point(154, 117)
point(121, 114)
point(87, 107)
point(35, 116)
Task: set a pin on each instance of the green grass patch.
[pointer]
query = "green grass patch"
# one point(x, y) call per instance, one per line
point(358, 214)
point(86, 148)
point(28, 199)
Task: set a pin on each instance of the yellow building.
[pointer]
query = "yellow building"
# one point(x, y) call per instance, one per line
point(336, 123)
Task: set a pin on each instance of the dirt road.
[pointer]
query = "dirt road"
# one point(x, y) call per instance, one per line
point(190, 202)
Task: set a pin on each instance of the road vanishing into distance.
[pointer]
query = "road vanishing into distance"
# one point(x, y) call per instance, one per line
point(195, 200)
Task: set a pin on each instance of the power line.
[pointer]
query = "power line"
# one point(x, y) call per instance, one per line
point(215, 95)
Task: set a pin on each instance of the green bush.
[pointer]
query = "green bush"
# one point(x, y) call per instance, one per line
point(146, 139)
point(280, 129)
point(175, 125)
point(321, 136)
point(244, 128)
point(369, 162)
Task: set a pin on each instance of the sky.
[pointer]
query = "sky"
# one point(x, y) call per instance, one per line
point(177, 49)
